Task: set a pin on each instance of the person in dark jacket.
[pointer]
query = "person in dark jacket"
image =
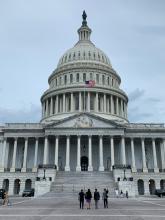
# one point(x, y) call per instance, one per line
point(81, 199)
point(96, 198)
point(105, 198)
point(88, 197)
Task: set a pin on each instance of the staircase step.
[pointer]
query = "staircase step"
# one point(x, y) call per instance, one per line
point(73, 182)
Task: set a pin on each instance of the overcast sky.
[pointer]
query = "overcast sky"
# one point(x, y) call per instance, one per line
point(35, 33)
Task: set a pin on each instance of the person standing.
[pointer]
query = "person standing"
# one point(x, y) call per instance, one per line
point(96, 198)
point(88, 197)
point(117, 193)
point(105, 198)
point(6, 199)
point(126, 194)
point(81, 199)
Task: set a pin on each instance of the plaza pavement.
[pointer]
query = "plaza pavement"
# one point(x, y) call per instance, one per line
point(61, 207)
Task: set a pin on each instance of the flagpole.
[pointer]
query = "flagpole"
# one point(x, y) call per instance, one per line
point(84, 98)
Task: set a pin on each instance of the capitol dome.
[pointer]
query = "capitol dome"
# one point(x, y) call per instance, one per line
point(84, 81)
point(84, 51)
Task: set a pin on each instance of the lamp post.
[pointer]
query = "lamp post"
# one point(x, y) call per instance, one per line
point(124, 169)
point(44, 178)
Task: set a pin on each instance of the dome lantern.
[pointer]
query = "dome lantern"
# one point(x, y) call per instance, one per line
point(84, 31)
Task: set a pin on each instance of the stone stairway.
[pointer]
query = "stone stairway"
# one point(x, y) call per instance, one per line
point(73, 182)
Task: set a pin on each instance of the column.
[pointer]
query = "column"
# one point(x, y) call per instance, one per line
point(117, 105)
point(80, 102)
point(105, 103)
point(72, 107)
point(47, 108)
point(123, 156)
point(56, 104)
point(163, 153)
point(35, 156)
point(12, 169)
point(78, 168)
point(88, 105)
point(145, 170)
point(112, 105)
point(63, 103)
point(101, 166)
point(25, 156)
point(156, 170)
point(90, 168)
point(67, 166)
point(51, 106)
point(45, 159)
point(112, 153)
point(3, 144)
point(56, 151)
point(133, 155)
point(96, 102)
point(122, 114)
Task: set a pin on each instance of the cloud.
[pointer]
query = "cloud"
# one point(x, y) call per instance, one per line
point(33, 114)
point(136, 94)
point(152, 30)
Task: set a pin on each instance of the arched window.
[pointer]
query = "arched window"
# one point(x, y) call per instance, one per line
point(162, 184)
point(108, 80)
point(6, 184)
point(71, 78)
point(140, 184)
point(112, 82)
point(97, 78)
point(65, 79)
point(77, 77)
point(17, 184)
point(84, 77)
point(60, 80)
point(151, 186)
point(28, 184)
point(91, 76)
point(103, 79)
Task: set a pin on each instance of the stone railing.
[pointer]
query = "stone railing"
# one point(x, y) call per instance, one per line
point(145, 125)
point(23, 126)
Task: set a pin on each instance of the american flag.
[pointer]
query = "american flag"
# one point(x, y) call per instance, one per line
point(90, 83)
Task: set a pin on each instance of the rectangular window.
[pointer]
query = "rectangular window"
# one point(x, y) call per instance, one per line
point(97, 78)
point(77, 77)
point(84, 77)
point(71, 78)
point(91, 76)
point(103, 79)
point(65, 79)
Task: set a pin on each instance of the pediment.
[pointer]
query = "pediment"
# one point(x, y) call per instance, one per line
point(84, 121)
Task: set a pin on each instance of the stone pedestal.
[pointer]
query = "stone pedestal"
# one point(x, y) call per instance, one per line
point(12, 170)
point(23, 170)
point(2, 169)
point(156, 170)
point(134, 170)
point(90, 168)
point(67, 168)
point(145, 170)
point(78, 168)
point(101, 168)
point(34, 170)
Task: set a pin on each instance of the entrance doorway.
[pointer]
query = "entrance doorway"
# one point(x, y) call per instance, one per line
point(152, 187)
point(84, 163)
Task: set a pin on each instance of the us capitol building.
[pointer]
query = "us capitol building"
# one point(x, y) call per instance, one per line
point(84, 136)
